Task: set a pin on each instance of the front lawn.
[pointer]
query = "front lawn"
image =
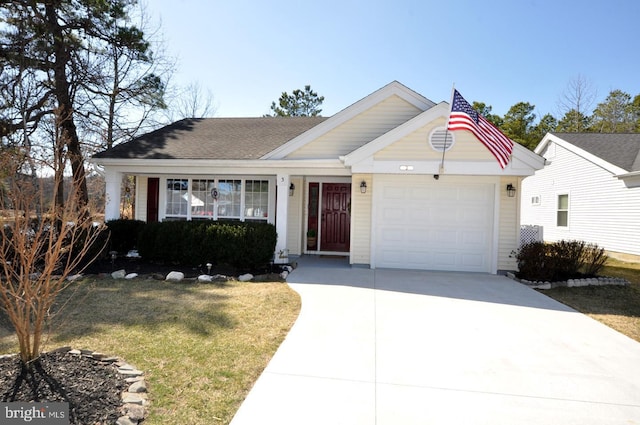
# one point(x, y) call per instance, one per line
point(201, 346)
point(616, 306)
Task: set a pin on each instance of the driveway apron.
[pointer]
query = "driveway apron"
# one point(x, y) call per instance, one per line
point(391, 347)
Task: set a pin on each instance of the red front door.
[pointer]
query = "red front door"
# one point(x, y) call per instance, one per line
point(153, 187)
point(335, 218)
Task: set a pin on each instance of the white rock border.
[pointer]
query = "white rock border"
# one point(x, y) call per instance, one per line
point(135, 399)
point(571, 283)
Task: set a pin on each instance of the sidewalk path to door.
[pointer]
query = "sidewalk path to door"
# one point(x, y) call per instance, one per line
point(400, 347)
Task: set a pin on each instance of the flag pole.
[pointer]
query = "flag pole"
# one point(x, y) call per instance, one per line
point(446, 130)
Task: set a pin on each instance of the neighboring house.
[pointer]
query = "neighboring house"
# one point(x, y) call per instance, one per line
point(589, 190)
point(367, 180)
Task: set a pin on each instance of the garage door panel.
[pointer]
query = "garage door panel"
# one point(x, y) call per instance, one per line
point(392, 235)
point(473, 239)
point(391, 192)
point(472, 195)
point(418, 236)
point(424, 224)
point(420, 194)
point(414, 215)
point(397, 214)
point(444, 260)
point(472, 260)
point(418, 257)
point(443, 238)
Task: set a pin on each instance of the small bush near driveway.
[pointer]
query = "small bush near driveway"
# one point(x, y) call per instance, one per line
point(559, 261)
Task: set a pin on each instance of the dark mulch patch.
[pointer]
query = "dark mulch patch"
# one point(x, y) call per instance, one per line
point(92, 388)
point(142, 267)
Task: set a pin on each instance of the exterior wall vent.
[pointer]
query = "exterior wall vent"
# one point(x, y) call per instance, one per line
point(437, 139)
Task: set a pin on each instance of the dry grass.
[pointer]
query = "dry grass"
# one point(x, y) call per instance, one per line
point(201, 346)
point(616, 306)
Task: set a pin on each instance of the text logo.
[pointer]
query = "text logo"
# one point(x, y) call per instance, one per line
point(34, 413)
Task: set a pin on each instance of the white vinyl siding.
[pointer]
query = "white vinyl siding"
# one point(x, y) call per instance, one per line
point(509, 225)
point(416, 147)
point(141, 197)
point(602, 209)
point(361, 219)
point(295, 217)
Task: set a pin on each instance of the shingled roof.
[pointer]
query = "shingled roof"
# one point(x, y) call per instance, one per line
point(620, 149)
point(214, 138)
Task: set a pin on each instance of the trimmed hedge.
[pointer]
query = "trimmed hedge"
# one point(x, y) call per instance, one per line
point(559, 261)
point(243, 245)
point(123, 234)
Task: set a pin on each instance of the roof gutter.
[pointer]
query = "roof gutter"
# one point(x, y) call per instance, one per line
point(249, 163)
point(630, 179)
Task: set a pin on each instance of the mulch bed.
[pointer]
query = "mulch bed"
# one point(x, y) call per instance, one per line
point(92, 388)
point(142, 267)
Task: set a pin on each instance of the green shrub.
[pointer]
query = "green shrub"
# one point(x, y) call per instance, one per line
point(147, 241)
point(559, 261)
point(533, 261)
point(594, 259)
point(123, 234)
point(243, 245)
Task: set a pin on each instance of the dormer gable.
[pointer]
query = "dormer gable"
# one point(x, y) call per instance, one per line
point(356, 125)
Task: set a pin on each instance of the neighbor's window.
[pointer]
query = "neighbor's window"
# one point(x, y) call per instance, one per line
point(563, 211)
point(535, 200)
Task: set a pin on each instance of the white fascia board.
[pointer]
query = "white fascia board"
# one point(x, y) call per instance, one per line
point(258, 167)
point(544, 142)
point(527, 157)
point(393, 88)
point(439, 111)
point(431, 167)
point(630, 179)
point(614, 169)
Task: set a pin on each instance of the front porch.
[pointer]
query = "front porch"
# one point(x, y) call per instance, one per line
point(312, 214)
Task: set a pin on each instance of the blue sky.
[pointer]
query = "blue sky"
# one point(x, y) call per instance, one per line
point(496, 51)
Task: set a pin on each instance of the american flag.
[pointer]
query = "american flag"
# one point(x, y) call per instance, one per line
point(464, 117)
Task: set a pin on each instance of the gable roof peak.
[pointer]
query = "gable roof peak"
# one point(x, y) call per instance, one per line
point(619, 149)
point(394, 88)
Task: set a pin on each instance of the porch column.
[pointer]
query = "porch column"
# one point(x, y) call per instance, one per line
point(113, 180)
point(282, 206)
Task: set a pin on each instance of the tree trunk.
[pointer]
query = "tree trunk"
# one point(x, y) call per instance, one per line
point(62, 90)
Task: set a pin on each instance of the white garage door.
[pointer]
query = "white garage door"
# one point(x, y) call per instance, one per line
point(422, 223)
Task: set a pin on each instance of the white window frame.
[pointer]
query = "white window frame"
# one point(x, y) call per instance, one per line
point(271, 198)
point(567, 210)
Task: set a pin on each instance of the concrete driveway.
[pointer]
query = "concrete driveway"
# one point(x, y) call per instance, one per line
point(397, 347)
